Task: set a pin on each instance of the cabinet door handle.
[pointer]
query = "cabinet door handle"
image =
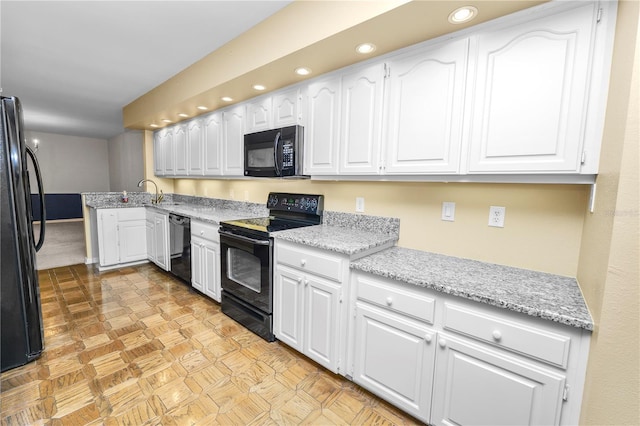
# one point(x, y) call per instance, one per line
point(442, 343)
point(427, 338)
point(201, 232)
point(303, 262)
point(497, 335)
point(300, 280)
point(306, 283)
point(389, 301)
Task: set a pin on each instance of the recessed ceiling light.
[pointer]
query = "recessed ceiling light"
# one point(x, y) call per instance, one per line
point(463, 14)
point(182, 114)
point(303, 71)
point(202, 108)
point(365, 48)
point(227, 98)
point(153, 125)
point(259, 87)
point(166, 120)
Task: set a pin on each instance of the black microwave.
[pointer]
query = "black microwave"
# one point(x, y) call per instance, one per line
point(274, 153)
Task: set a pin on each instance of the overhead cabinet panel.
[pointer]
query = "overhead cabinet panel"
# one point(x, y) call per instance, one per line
point(195, 147)
point(212, 144)
point(531, 93)
point(322, 132)
point(425, 109)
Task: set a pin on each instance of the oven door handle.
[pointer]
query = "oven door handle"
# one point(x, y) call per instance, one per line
point(247, 239)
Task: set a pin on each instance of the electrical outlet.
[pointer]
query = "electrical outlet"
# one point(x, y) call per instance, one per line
point(359, 204)
point(448, 211)
point(496, 216)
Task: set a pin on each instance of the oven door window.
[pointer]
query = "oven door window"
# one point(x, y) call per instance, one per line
point(244, 268)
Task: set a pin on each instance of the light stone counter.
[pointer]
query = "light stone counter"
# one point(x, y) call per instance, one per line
point(538, 294)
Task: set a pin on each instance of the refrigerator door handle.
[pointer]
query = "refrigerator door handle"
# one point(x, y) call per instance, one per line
point(43, 213)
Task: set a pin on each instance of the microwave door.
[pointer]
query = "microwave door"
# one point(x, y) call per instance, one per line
point(276, 151)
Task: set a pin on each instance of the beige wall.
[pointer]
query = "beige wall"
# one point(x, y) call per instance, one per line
point(608, 269)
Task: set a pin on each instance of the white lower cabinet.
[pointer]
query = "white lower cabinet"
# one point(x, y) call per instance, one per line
point(157, 232)
point(451, 361)
point(205, 259)
point(308, 313)
point(477, 385)
point(121, 235)
point(394, 358)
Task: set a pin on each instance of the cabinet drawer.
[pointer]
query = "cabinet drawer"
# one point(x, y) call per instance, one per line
point(313, 261)
point(208, 231)
point(134, 213)
point(405, 301)
point(519, 337)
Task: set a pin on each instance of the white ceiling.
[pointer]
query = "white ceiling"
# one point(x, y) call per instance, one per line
point(75, 64)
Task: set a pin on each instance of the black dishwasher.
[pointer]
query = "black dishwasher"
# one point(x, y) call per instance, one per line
point(180, 246)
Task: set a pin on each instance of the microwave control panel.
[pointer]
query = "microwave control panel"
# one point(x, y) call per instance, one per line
point(287, 154)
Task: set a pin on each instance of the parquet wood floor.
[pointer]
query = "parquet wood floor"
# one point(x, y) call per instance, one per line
point(135, 346)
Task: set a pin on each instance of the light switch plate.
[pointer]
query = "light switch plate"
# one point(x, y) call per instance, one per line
point(448, 211)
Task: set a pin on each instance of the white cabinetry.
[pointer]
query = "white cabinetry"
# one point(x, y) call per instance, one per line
point(233, 141)
point(181, 167)
point(205, 259)
point(259, 114)
point(212, 144)
point(425, 109)
point(361, 120)
point(162, 152)
point(279, 109)
point(448, 360)
point(157, 232)
point(531, 93)
point(195, 147)
point(322, 132)
point(121, 236)
point(308, 312)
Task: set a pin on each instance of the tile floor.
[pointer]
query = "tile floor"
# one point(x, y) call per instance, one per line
point(134, 346)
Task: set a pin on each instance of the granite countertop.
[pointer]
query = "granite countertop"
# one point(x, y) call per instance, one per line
point(209, 214)
point(353, 242)
point(538, 294)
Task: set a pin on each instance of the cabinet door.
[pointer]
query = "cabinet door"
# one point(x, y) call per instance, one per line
point(476, 385)
point(285, 108)
point(287, 306)
point(180, 150)
point(530, 99)
point(150, 237)
point(161, 239)
point(108, 237)
point(322, 132)
point(394, 358)
point(321, 318)
point(195, 147)
point(158, 150)
point(362, 96)
point(197, 263)
point(211, 270)
point(168, 153)
point(233, 148)
point(213, 144)
point(132, 235)
point(259, 114)
point(426, 100)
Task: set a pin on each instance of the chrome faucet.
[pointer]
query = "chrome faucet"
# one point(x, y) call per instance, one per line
point(158, 198)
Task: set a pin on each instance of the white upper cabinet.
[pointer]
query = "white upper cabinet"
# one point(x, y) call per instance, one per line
point(212, 143)
point(322, 130)
point(286, 108)
point(195, 147)
point(180, 149)
point(233, 142)
point(530, 96)
point(425, 109)
point(259, 112)
point(361, 119)
point(162, 147)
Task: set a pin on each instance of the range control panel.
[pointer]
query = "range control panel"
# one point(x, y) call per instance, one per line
point(299, 203)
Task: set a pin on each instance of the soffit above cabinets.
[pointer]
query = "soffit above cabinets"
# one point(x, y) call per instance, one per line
point(319, 35)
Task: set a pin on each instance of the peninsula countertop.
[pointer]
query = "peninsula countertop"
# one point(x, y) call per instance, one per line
point(538, 294)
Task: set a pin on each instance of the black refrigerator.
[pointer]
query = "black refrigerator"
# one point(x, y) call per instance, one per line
point(21, 334)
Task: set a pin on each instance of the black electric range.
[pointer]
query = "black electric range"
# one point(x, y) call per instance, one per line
point(246, 254)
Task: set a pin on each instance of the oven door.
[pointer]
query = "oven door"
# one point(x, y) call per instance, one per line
point(246, 269)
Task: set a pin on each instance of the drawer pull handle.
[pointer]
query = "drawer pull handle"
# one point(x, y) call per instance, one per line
point(427, 338)
point(442, 343)
point(303, 262)
point(497, 335)
point(389, 301)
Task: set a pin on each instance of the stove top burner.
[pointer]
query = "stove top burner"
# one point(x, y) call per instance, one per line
point(266, 224)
